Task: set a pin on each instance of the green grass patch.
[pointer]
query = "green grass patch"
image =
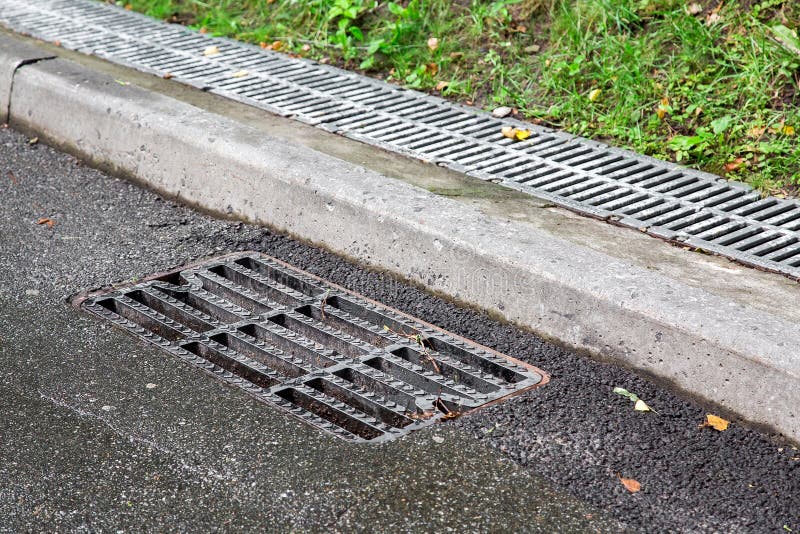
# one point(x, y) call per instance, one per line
point(713, 85)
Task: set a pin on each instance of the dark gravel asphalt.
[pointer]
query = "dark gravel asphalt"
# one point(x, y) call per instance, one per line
point(574, 433)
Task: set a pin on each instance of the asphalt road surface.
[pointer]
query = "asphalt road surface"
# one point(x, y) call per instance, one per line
point(99, 431)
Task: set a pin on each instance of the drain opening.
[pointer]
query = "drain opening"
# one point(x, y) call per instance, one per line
point(349, 366)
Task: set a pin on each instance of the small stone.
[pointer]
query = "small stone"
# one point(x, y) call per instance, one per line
point(438, 439)
point(532, 49)
point(107, 408)
point(502, 111)
point(150, 385)
point(32, 292)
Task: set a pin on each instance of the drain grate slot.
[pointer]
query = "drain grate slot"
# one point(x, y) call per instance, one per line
point(350, 366)
point(239, 367)
point(353, 399)
point(325, 411)
point(144, 320)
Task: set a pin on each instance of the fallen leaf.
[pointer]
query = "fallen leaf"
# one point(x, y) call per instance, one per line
point(788, 130)
point(57, 43)
point(756, 131)
point(306, 47)
point(46, 220)
point(204, 30)
point(532, 49)
point(626, 393)
point(432, 68)
point(167, 76)
point(33, 140)
point(717, 423)
point(787, 37)
point(663, 108)
point(733, 165)
point(442, 85)
point(211, 51)
point(694, 8)
point(594, 95)
point(239, 74)
point(501, 112)
point(521, 135)
point(433, 43)
point(508, 131)
point(128, 7)
point(712, 19)
point(630, 484)
point(641, 406)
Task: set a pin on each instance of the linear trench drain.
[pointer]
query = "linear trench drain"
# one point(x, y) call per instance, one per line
point(345, 364)
point(659, 198)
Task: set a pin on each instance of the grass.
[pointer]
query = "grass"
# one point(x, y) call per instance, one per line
point(712, 84)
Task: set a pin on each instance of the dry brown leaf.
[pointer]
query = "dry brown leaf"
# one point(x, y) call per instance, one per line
point(432, 68)
point(167, 75)
point(717, 423)
point(306, 47)
point(630, 484)
point(735, 164)
point(694, 8)
point(433, 43)
point(57, 43)
point(442, 85)
point(203, 30)
point(508, 131)
point(211, 51)
point(46, 220)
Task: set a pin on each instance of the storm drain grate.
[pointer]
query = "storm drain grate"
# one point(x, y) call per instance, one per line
point(662, 199)
point(343, 363)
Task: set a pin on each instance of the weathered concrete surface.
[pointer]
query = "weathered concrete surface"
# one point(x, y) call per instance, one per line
point(612, 292)
point(13, 54)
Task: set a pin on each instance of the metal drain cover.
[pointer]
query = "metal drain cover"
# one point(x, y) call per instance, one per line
point(333, 358)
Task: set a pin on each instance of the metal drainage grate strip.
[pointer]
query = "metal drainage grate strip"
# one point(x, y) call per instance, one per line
point(657, 197)
point(350, 366)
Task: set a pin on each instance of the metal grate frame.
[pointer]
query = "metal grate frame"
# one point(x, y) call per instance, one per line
point(350, 366)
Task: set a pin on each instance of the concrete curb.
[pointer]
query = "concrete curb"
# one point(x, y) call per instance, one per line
point(13, 55)
point(720, 349)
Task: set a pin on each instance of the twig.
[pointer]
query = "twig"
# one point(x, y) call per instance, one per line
point(323, 302)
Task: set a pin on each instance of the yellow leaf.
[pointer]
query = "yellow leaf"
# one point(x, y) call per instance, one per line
point(641, 406)
point(211, 51)
point(630, 484)
point(521, 135)
point(508, 131)
point(433, 43)
point(715, 422)
point(239, 74)
point(594, 95)
point(788, 130)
